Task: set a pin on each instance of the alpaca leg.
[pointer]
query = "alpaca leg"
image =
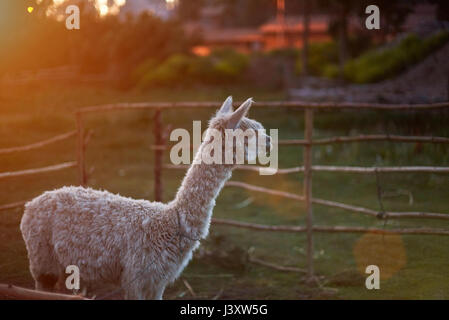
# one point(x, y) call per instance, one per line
point(153, 292)
point(46, 282)
point(60, 285)
point(45, 277)
point(136, 292)
point(128, 294)
point(132, 288)
point(145, 291)
point(43, 266)
point(159, 293)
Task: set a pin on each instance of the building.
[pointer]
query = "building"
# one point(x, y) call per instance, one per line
point(269, 36)
point(289, 34)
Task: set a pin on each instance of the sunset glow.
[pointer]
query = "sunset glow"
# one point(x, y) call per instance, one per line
point(170, 4)
point(104, 7)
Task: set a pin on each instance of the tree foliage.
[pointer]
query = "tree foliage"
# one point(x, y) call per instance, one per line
point(34, 40)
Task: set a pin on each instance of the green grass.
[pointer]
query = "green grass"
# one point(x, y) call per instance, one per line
point(122, 162)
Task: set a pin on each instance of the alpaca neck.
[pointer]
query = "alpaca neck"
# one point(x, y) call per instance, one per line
point(196, 196)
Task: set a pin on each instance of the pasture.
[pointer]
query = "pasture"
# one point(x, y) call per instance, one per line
point(120, 160)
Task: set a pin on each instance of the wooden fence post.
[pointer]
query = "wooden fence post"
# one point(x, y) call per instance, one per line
point(308, 132)
point(158, 155)
point(81, 149)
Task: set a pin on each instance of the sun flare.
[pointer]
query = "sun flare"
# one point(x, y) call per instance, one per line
point(104, 7)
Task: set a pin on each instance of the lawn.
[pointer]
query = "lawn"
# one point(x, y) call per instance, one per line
point(121, 161)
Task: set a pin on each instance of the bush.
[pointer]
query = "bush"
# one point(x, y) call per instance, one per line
point(331, 71)
point(221, 66)
point(145, 67)
point(323, 57)
point(320, 56)
point(173, 70)
point(201, 70)
point(228, 65)
point(378, 65)
point(289, 53)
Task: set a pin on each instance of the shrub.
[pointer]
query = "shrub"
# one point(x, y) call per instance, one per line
point(228, 63)
point(173, 70)
point(378, 65)
point(221, 66)
point(201, 69)
point(288, 53)
point(320, 56)
point(145, 67)
point(331, 71)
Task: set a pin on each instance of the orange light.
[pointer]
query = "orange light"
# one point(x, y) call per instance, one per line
point(201, 51)
point(385, 251)
point(30, 9)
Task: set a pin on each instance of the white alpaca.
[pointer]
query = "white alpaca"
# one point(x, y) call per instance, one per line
point(138, 245)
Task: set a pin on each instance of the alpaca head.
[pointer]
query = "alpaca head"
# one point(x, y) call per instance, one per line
point(240, 138)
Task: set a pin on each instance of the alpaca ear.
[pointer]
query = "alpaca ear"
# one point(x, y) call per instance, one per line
point(226, 106)
point(238, 114)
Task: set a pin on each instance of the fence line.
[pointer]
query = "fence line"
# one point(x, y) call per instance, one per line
point(308, 167)
point(39, 144)
point(408, 169)
point(30, 294)
point(27, 172)
point(348, 169)
point(158, 155)
point(80, 150)
point(307, 183)
point(268, 104)
point(372, 137)
point(330, 229)
point(339, 205)
point(360, 138)
point(12, 205)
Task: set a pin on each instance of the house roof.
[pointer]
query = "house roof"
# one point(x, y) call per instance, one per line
point(318, 23)
point(228, 35)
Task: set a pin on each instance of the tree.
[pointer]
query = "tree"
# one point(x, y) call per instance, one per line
point(340, 11)
point(246, 13)
point(393, 15)
point(442, 9)
point(188, 10)
point(32, 41)
point(305, 48)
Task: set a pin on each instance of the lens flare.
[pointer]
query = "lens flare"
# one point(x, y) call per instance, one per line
point(385, 251)
point(104, 9)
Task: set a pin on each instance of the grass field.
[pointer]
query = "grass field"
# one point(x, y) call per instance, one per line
point(412, 267)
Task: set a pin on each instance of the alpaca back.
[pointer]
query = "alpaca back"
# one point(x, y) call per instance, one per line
point(95, 230)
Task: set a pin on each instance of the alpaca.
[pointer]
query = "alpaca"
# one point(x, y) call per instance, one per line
point(136, 245)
